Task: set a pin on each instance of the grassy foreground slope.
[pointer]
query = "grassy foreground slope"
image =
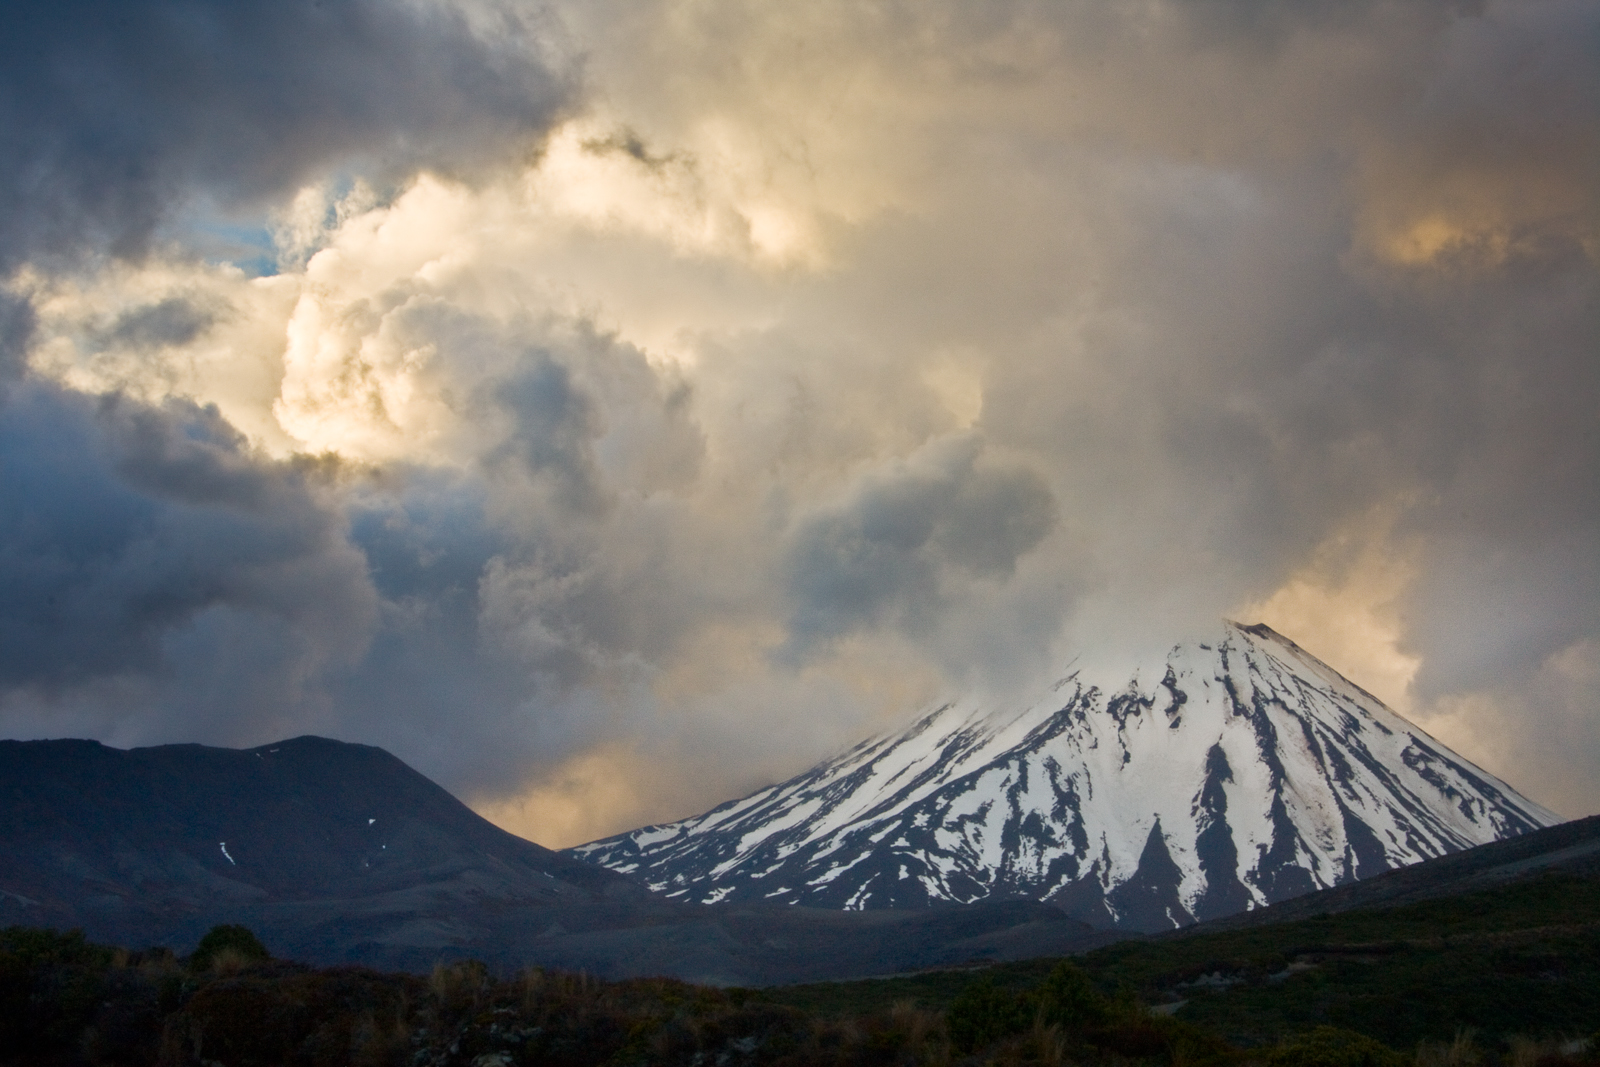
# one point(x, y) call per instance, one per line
point(1518, 963)
point(1517, 959)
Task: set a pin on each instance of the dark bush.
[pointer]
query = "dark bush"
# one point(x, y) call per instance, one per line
point(983, 1014)
point(126, 1029)
point(1068, 999)
point(50, 990)
point(228, 943)
point(1329, 1046)
point(1135, 1033)
point(286, 1015)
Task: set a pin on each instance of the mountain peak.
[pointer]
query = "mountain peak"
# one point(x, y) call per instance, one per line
point(1229, 774)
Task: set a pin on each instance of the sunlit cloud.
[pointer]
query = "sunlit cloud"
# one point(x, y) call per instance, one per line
point(1345, 604)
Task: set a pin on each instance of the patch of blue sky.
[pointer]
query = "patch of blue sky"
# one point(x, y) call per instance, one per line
point(252, 242)
point(246, 244)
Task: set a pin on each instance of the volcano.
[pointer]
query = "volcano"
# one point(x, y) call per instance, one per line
point(1226, 775)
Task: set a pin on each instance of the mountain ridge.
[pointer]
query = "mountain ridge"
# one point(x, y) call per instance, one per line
point(338, 853)
point(91, 833)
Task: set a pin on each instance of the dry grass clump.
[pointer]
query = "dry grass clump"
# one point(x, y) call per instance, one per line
point(459, 987)
point(1461, 1051)
point(1552, 1052)
point(922, 1029)
point(226, 961)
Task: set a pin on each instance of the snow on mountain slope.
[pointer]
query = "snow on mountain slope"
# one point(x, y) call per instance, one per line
point(1238, 772)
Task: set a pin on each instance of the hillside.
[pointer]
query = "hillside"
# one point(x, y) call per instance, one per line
point(148, 843)
point(340, 853)
point(1503, 939)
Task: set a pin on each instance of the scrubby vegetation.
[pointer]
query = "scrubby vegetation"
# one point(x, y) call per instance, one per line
point(228, 948)
point(1519, 960)
point(1372, 989)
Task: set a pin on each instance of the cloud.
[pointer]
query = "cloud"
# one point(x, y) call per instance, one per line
point(173, 322)
point(130, 528)
point(689, 421)
point(1466, 178)
point(1344, 604)
point(1539, 725)
point(16, 330)
point(888, 555)
point(114, 115)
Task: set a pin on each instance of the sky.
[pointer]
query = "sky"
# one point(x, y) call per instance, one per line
point(612, 406)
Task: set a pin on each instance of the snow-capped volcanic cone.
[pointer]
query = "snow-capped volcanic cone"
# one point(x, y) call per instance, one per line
point(1233, 773)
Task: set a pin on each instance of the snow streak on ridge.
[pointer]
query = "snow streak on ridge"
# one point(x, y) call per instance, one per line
point(1249, 771)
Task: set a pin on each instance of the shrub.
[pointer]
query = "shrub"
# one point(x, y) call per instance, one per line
point(983, 1014)
point(1329, 1046)
point(286, 1015)
point(1068, 999)
point(50, 989)
point(228, 948)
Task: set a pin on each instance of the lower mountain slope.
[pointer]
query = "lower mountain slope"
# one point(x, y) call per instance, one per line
point(1228, 775)
point(1570, 848)
point(340, 853)
point(1501, 940)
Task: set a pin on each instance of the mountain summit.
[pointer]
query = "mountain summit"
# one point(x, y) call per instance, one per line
point(1231, 774)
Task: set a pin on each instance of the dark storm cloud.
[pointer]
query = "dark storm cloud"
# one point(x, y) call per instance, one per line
point(112, 112)
point(121, 524)
point(427, 673)
point(16, 328)
point(555, 425)
point(885, 556)
point(173, 321)
point(1515, 515)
